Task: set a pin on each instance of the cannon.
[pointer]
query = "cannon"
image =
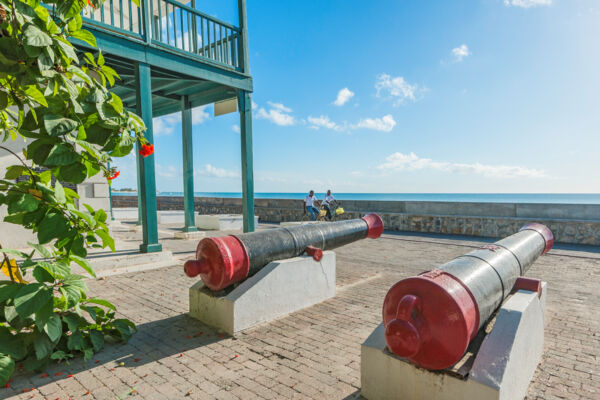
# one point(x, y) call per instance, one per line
point(431, 318)
point(223, 261)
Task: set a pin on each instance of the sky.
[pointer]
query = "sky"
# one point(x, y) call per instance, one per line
point(399, 96)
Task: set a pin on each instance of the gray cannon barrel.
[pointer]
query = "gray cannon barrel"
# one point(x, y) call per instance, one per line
point(431, 318)
point(223, 261)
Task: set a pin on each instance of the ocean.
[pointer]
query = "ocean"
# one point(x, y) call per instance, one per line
point(561, 198)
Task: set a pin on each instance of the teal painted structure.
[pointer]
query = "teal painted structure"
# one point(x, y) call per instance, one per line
point(172, 57)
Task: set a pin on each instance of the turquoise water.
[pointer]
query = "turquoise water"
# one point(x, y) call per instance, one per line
point(569, 198)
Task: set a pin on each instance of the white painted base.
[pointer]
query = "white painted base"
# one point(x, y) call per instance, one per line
point(222, 222)
point(503, 366)
point(278, 289)
point(196, 235)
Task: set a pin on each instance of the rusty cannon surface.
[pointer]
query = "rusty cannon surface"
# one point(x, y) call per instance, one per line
point(430, 319)
point(223, 261)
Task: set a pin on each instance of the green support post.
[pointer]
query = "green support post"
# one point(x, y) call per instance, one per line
point(188, 165)
point(139, 183)
point(147, 187)
point(245, 107)
point(110, 204)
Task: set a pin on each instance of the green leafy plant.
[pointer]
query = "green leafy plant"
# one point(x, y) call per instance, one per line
point(56, 99)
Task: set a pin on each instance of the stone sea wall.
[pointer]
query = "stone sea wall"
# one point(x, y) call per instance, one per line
point(570, 223)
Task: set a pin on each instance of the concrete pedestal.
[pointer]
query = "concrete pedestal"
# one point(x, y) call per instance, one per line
point(222, 222)
point(502, 367)
point(278, 289)
point(196, 235)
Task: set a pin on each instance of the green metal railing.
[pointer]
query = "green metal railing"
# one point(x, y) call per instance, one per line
point(173, 25)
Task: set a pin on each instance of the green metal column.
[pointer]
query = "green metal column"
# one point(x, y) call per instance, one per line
point(139, 183)
point(188, 165)
point(245, 107)
point(147, 187)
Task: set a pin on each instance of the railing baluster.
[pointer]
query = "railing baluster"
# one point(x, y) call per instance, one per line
point(130, 17)
point(215, 40)
point(203, 42)
point(139, 13)
point(112, 13)
point(167, 23)
point(175, 24)
point(151, 16)
point(182, 33)
point(121, 13)
point(160, 20)
point(102, 13)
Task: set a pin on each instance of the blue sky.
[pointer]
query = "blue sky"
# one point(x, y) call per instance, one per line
point(405, 96)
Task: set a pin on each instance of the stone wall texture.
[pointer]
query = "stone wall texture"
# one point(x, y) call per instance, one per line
point(570, 223)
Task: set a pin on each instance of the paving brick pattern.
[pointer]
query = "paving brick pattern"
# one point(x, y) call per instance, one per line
point(314, 353)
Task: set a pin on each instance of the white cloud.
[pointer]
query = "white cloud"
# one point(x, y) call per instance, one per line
point(277, 114)
point(397, 88)
point(411, 162)
point(167, 171)
point(324, 122)
point(236, 128)
point(343, 97)
point(460, 52)
point(164, 126)
point(527, 3)
point(210, 170)
point(384, 124)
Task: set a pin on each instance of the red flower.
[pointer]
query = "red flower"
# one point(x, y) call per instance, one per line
point(90, 4)
point(146, 150)
point(113, 176)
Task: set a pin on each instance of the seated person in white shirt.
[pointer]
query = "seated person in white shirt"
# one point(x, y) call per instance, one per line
point(310, 205)
point(328, 203)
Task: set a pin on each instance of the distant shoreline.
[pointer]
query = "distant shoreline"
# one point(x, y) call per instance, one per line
point(549, 198)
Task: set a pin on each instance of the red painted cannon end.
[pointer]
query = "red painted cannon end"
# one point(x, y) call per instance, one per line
point(315, 253)
point(430, 319)
point(375, 225)
point(220, 262)
point(542, 230)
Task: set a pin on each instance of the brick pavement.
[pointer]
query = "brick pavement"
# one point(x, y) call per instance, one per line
point(314, 353)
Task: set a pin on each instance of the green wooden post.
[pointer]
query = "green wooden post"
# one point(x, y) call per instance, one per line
point(245, 65)
point(245, 107)
point(146, 15)
point(147, 188)
point(139, 183)
point(112, 217)
point(188, 165)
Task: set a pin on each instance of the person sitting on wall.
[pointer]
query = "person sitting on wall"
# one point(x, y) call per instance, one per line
point(329, 203)
point(309, 204)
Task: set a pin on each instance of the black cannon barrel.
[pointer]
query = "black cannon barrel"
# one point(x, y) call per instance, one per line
point(223, 261)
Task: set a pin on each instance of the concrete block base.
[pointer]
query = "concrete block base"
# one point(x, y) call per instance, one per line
point(502, 367)
point(278, 289)
point(196, 235)
point(222, 222)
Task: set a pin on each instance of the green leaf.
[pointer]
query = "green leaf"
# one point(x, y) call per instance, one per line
point(43, 345)
point(8, 290)
point(106, 239)
point(11, 344)
point(67, 50)
point(30, 298)
point(44, 252)
point(14, 171)
point(7, 367)
point(41, 274)
point(59, 192)
point(74, 321)
point(75, 23)
point(53, 327)
point(83, 263)
point(85, 36)
point(73, 173)
point(72, 294)
point(35, 37)
point(97, 339)
point(52, 226)
point(57, 125)
point(23, 203)
point(61, 154)
point(75, 341)
point(35, 94)
point(88, 354)
point(101, 302)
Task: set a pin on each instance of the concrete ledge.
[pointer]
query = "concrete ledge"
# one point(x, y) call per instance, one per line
point(502, 369)
point(278, 289)
point(295, 223)
point(222, 222)
point(125, 262)
point(196, 235)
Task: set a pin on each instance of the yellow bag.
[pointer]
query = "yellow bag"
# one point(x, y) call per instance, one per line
point(322, 213)
point(339, 211)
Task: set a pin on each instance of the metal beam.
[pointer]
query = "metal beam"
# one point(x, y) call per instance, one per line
point(245, 107)
point(188, 165)
point(147, 187)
